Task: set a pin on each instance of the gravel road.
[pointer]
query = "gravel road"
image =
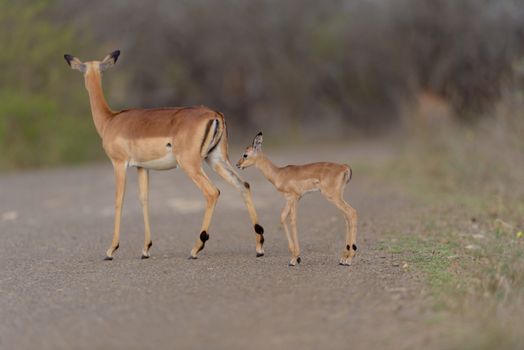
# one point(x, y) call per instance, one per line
point(57, 292)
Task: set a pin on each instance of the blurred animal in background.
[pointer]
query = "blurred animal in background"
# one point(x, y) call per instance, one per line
point(293, 181)
point(161, 139)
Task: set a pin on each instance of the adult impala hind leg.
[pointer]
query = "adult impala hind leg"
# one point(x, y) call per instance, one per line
point(221, 165)
point(143, 187)
point(120, 180)
point(211, 193)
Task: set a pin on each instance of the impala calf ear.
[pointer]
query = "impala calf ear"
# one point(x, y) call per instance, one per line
point(109, 60)
point(257, 142)
point(75, 63)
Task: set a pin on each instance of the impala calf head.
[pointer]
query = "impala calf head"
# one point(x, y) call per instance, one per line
point(251, 154)
point(92, 66)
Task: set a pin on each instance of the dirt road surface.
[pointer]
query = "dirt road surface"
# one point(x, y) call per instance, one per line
point(57, 292)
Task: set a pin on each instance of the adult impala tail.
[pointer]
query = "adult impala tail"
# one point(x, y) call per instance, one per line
point(162, 139)
point(293, 181)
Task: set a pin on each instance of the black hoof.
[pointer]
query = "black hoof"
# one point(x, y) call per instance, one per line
point(259, 255)
point(290, 264)
point(108, 258)
point(144, 257)
point(191, 257)
point(299, 260)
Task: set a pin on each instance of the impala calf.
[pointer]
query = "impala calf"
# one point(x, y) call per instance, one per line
point(296, 180)
point(161, 139)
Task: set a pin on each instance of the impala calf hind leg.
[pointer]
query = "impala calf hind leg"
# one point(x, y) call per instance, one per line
point(351, 235)
point(351, 218)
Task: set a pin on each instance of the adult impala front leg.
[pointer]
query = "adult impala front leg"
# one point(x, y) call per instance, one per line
point(143, 186)
point(120, 180)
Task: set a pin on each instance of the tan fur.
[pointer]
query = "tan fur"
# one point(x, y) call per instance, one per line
point(293, 181)
point(159, 139)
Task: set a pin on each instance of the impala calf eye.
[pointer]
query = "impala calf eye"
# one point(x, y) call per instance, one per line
point(245, 155)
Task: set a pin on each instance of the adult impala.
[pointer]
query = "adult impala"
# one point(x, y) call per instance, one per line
point(161, 139)
point(296, 180)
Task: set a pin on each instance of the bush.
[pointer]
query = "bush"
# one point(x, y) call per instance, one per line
point(42, 120)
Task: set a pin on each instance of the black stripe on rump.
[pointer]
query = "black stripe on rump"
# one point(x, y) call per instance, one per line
point(206, 133)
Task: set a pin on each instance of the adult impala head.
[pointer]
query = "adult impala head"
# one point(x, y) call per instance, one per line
point(252, 153)
point(91, 67)
point(93, 84)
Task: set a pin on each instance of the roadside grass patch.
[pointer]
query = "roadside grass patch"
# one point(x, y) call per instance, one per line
point(433, 255)
point(472, 262)
point(467, 239)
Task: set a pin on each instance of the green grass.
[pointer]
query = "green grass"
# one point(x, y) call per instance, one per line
point(432, 255)
point(463, 237)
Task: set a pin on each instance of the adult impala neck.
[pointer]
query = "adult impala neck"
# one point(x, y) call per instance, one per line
point(268, 169)
point(99, 108)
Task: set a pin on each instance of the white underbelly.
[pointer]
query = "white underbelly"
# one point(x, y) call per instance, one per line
point(165, 163)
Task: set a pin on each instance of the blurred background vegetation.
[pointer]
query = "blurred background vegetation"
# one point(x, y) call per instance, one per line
point(300, 70)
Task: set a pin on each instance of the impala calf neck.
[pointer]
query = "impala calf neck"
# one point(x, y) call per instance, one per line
point(162, 139)
point(293, 181)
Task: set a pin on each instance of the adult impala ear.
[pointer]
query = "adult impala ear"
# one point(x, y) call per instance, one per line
point(75, 63)
point(257, 142)
point(109, 60)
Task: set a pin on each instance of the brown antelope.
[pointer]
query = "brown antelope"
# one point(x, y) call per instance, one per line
point(296, 180)
point(161, 139)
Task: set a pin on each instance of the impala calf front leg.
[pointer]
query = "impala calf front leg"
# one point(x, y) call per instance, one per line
point(295, 255)
point(283, 220)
